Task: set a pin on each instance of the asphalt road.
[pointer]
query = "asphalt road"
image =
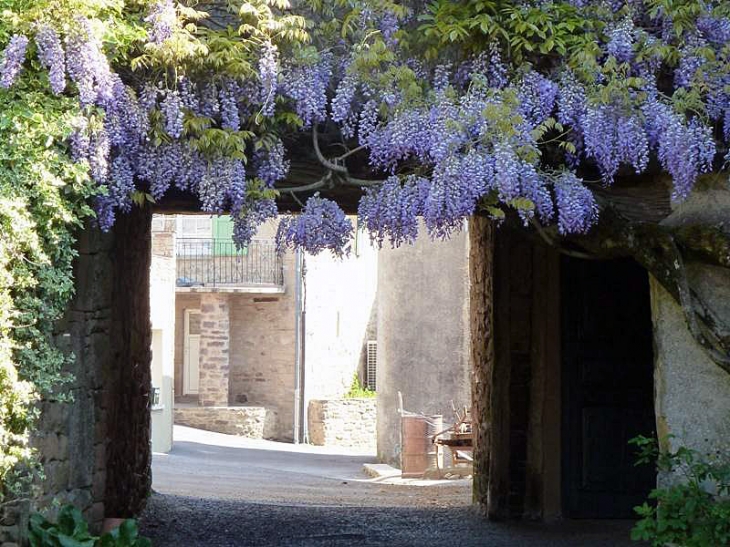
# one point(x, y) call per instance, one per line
point(219, 491)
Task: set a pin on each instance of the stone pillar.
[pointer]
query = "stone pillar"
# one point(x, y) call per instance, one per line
point(214, 349)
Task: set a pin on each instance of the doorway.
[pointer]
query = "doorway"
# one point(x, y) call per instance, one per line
point(607, 386)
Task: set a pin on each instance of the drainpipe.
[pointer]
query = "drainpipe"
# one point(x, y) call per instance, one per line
point(304, 410)
point(298, 354)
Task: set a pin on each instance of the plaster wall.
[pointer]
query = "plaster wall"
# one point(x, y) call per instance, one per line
point(341, 317)
point(162, 315)
point(423, 334)
point(693, 393)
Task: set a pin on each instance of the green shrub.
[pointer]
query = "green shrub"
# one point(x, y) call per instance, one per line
point(357, 391)
point(694, 511)
point(71, 530)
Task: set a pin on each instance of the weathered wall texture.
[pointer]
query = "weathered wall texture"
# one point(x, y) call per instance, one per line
point(162, 308)
point(215, 334)
point(340, 318)
point(422, 334)
point(71, 437)
point(255, 422)
point(262, 355)
point(348, 423)
point(692, 393)
point(79, 441)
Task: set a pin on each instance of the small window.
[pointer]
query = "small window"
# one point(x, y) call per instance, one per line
point(195, 226)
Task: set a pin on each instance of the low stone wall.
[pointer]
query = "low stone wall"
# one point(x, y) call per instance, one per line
point(255, 422)
point(343, 422)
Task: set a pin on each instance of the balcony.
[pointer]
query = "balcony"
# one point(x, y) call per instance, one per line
point(212, 265)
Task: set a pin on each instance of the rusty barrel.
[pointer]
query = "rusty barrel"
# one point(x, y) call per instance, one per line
point(416, 445)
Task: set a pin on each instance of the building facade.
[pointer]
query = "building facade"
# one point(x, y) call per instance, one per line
point(258, 334)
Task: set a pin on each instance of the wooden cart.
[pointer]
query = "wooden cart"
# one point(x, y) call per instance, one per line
point(459, 438)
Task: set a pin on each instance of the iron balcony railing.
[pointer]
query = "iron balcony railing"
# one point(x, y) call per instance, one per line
point(217, 263)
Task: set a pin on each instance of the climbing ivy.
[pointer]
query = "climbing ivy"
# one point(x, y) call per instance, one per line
point(44, 200)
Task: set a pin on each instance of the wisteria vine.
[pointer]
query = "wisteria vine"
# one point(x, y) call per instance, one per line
point(473, 130)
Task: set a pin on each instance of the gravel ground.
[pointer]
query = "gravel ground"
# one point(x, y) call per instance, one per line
point(176, 521)
point(215, 490)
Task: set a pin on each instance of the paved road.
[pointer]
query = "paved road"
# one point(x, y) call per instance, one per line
point(218, 491)
point(215, 466)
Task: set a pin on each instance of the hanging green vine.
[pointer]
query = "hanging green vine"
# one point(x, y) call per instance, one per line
point(43, 200)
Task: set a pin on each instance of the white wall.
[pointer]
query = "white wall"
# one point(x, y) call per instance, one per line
point(162, 307)
point(340, 317)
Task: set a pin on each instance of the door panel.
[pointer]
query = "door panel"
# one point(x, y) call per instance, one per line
point(607, 386)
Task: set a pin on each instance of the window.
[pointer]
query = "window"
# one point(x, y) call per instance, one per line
point(195, 226)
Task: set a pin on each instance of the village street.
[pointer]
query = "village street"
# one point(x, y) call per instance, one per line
point(217, 490)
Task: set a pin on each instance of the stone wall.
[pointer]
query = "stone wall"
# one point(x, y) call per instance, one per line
point(422, 334)
point(255, 422)
point(215, 338)
point(263, 355)
point(349, 423)
point(71, 437)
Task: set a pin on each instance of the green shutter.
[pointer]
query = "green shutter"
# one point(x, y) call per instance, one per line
point(223, 236)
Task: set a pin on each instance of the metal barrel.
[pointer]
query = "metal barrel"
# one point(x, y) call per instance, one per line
point(414, 456)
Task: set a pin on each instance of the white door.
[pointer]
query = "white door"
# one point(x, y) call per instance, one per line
point(191, 374)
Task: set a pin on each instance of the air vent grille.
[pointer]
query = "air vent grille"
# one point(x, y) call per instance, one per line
point(372, 365)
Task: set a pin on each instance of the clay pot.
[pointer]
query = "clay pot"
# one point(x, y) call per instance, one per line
point(110, 523)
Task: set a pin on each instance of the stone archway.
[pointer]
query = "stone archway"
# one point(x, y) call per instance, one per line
point(107, 466)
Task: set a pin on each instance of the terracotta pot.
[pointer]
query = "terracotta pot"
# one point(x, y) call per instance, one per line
point(110, 523)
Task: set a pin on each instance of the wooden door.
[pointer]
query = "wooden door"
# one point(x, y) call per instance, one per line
point(608, 394)
point(191, 353)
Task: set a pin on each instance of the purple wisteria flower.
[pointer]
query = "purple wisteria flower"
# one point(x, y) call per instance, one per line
point(52, 57)
point(537, 97)
point(577, 207)
point(171, 107)
point(321, 225)
point(307, 86)
point(87, 65)
point(12, 60)
point(621, 41)
point(271, 164)
point(391, 211)
point(163, 19)
point(269, 77)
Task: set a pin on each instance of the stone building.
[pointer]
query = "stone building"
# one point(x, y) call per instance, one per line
point(257, 335)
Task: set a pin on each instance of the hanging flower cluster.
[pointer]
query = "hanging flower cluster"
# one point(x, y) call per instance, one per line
point(473, 130)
